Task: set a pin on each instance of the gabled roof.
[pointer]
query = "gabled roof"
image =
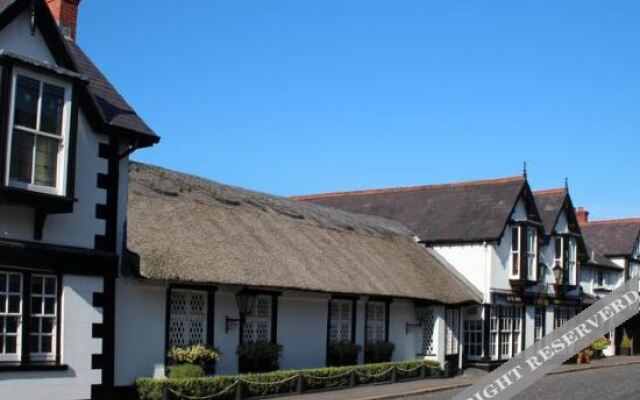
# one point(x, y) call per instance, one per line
point(597, 259)
point(617, 237)
point(550, 205)
point(107, 110)
point(189, 229)
point(459, 212)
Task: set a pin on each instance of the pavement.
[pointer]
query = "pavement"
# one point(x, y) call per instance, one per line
point(419, 388)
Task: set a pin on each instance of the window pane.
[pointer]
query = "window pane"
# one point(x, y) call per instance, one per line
point(49, 306)
point(3, 303)
point(26, 102)
point(47, 325)
point(33, 344)
point(34, 325)
point(21, 156)
point(515, 239)
point(52, 107)
point(36, 305)
point(14, 283)
point(3, 282)
point(14, 304)
point(11, 344)
point(11, 325)
point(46, 344)
point(46, 161)
point(36, 285)
point(50, 286)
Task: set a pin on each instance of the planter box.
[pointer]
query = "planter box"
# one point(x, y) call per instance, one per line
point(258, 364)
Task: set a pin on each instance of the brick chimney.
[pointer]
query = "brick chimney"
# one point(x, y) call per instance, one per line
point(65, 12)
point(583, 215)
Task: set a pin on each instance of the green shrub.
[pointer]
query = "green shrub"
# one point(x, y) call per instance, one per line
point(182, 371)
point(342, 353)
point(153, 389)
point(600, 344)
point(378, 352)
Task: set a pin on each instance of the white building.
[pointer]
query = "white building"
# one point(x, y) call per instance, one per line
point(199, 251)
point(508, 243)
point(64, 140)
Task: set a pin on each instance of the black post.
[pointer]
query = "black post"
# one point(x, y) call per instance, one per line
point(394, 374)
point(352, 378)
point(423, 371)
point(166, 393)
point(300, 388)
point(240, 390)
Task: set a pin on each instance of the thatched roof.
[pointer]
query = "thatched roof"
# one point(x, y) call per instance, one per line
point(456, 212)
point(185, 228)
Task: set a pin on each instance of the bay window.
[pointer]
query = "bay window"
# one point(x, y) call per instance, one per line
point(524, 253)
point(566, 257)
point(28, 314)
point(38, 133)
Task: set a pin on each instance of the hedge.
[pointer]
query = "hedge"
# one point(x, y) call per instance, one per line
point(256, 385)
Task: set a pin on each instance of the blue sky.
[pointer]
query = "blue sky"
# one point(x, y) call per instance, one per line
point(304, 96)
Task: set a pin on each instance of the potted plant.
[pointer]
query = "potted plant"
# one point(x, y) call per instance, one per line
point(342, 353)
point(378, 352)
point(599, 346)
point(197, 355)
point(626, 345)
point(584, 356)
point(258, 356)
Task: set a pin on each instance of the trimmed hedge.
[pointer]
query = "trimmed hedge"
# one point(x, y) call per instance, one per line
point(153, 389)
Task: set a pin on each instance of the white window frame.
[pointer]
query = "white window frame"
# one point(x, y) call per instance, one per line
point(506, 332)
point(473, 333)
point(562, 315)
point(376, 329)
point(572, 262)
point(255, 321)
point(452, 331)
point(337, 321)
point(188, 316)
point(39, 355)
point(63, 155)
point(601, 279)
point(532, 253)
point(516, 254)
point(494, 332)
point(17, 356)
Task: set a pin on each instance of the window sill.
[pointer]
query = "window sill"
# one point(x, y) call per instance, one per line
point(19, 367)
point(45, 201)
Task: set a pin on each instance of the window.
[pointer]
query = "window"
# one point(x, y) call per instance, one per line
point(524, 243)
point(517, 330)
point(452, 330)
point(562, 315)
point(506, 331)
point(539, 322)
point(376, 322)
point(38, 134)
point(532, 253)
point(601, 279)
point(428, 331)
point(188, 317)
point(340, 321)
point(473, 334)
point(40, 333)
point(566, 257)
point(515, 252)
point(257, 324)
point(493, 329)
point(10, 316)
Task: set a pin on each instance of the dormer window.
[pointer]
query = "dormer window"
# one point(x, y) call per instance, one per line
point(566, 257)
point(524, 253)
point(38, 133)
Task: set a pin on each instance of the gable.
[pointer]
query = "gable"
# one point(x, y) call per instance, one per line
point(16, 37)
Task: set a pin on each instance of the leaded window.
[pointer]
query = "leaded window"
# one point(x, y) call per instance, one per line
point(257, 324)
point(39, 134)
point(340, 321)
point(188, 317)
point(428, 330)
point(42, 332)
point(376, 322)
point(452, 331)
point(10, 316)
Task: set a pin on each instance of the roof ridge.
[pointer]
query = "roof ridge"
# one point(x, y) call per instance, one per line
point(404, 189)
point(616, 221)
point(550, 191)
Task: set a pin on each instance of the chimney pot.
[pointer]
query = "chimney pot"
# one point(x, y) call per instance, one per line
point(65, 12)
point(583, 215)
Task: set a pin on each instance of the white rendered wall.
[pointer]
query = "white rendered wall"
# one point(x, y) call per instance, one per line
point(302, 329)
point(140, 330)
point(402, 312)
point(227, 342)
point(468, 259)
point(78, 315)
point(529, 325)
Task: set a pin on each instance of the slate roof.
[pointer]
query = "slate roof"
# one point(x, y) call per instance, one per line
point(597, 259)
point(189, 229)
point(107, 105)
point(459, 212)
point(550, 204)
point(613, 237)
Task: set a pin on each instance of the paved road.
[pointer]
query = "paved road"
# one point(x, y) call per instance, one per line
point(621, 383)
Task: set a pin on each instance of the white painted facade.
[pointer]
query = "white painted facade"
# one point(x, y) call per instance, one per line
point(301, 330)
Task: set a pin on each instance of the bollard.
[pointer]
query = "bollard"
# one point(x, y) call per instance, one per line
point(300, 386)
point(352, 378)
point(423, 371)
point(240, 390)
point(166, 394)
point(394, 374)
